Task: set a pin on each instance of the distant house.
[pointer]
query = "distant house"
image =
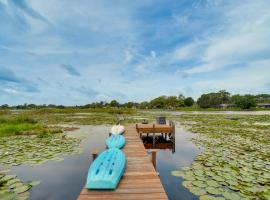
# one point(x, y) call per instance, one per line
point(224, 105)
point(263, 105)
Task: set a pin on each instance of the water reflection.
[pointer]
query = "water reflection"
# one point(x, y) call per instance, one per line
point(185, 151)
point(161, 142)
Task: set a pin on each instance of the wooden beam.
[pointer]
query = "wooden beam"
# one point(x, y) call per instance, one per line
point(154, 157)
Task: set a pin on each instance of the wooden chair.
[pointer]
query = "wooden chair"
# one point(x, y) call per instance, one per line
point(161, 120)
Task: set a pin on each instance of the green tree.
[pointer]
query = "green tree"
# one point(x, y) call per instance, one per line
point(213, 100)
point(31, 106)
point(51, 106)
point(189, 101)
point(144, 105)
point(129, 104)
point(174, 102)
point(244, 101)
point(209, 100)
point(5, 106)
point(114, 103)
point(158, 102)
point(225, 96)
point(263, 98)
point(166, 102)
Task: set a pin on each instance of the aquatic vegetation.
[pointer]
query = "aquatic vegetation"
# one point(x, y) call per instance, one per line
point(25, 141)
point(13, 188)
point(16, 150)
point(22, 125)
point(235, 162)
point(85, 110)
point(91, 116)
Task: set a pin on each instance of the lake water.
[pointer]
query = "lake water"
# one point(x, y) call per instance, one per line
point(65, 179)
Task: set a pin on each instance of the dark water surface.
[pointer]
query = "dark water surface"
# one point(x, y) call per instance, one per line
point(64, 180)
point(185, 151)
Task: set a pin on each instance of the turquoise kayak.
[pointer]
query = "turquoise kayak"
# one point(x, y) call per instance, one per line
point(106, 170)
point(115, 141)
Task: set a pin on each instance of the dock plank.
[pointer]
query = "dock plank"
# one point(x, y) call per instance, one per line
point(140, 180)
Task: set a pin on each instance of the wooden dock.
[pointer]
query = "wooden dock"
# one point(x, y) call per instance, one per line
point(140, 180)
point(156, 131)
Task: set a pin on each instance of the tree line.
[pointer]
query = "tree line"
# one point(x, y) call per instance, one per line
point(220, 99)
point(225, 99)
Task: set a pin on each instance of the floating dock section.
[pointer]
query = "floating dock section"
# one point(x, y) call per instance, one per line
point(140, 180)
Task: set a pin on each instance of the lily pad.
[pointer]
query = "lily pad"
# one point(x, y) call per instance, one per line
point(5, 170)
point(15, 185)
point(212, 190)
point(200, 184)
point(34, 183)
point(231, 196)
point(23, 196)
point(12, 181)
point(185, 168)
point(189, 177)
point(266, 194)
point(22, 189)
point(187, 184)
point(201, 178)
point(35, 150)
point(4, 195)
point(177, 173)
point(197, 191)
point(198, 172)
point(218, 178)
point(206, 197)
point(212, 183)
point(8, 177)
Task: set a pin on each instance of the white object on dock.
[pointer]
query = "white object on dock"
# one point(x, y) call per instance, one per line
point(117, 129)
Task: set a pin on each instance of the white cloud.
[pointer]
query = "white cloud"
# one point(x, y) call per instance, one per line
point(10, 90)
point(141, 69)
point(239, 39)
point(128, 51)
point(5, 2)
point(253, 78)
point(185, 52)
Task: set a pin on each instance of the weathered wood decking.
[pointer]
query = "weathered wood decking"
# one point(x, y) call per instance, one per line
point(140, 180)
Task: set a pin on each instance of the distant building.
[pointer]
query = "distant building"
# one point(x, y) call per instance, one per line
point(224, 105)
point(263, 105)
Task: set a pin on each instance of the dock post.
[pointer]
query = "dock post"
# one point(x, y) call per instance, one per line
point(154, 158)
point(173, 135)
point(154, 136)
point(137, 129)
point(94, 155)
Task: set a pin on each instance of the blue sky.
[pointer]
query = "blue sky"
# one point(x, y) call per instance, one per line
point(75, 52)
